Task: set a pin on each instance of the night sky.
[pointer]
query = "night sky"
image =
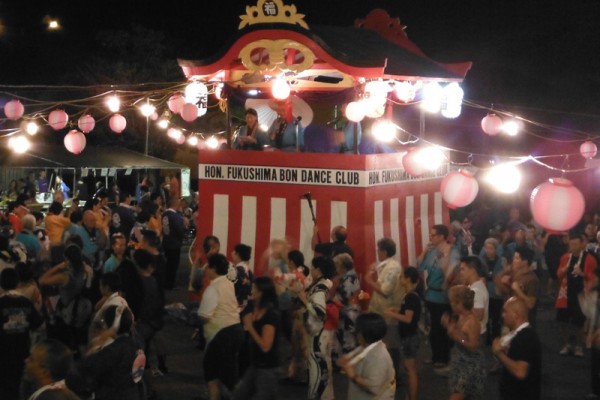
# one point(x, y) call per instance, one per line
point(538, 59)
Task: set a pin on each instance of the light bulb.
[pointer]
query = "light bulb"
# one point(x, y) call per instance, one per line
point(147, 109)
point(113, 103)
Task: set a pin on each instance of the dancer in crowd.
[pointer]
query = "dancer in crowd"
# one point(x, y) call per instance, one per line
point(262, 324)
point(467, 369)
point(314, 300)
point(369, 367)
point(219, 310)
point(408, 316)
point(520, 353)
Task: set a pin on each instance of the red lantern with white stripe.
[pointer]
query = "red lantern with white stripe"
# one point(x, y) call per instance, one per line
point(588, 149)
point(491, 124)
point(459, 188)
point(14, 109)
point(75, 141)
point(557, 205)
point(117, 123)
point(86, 123)
point(58, 119)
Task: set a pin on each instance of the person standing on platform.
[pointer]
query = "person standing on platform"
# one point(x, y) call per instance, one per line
point(251, 136)
point(172, 230)
point(286, 133)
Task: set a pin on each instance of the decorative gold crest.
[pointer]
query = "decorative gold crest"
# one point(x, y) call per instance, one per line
point(272, 11)
point(274, 56)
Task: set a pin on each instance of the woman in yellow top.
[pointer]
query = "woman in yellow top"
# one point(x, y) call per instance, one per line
point(155, 222)
point(56, 222)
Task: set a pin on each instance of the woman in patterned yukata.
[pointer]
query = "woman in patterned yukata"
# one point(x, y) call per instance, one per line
point(314, 300)
point(467, 363)
point(347, 294)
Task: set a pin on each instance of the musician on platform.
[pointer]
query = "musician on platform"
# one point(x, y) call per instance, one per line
point(251, 136)
point(286, 132)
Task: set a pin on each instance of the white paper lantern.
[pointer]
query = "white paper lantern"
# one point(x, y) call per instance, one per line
point(491, 124)
point(75, 141)
point(355, 111)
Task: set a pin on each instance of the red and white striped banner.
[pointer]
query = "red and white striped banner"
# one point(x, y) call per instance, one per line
point(254, 213)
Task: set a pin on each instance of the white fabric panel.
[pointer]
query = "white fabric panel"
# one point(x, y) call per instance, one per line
point(221, 220)
point(248, 234)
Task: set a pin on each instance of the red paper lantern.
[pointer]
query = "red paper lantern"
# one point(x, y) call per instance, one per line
point(491, 124)
point(14, 109)
point(588, 149)
point(189, 112)
point(175, 103)
point(459, 188)
point(86, 123)
point(75, 141)
point(117, 123)
point(557, 205)
point(411, 164)
point(58, 119)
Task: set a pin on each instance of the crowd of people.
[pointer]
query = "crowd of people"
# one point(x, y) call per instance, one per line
point(83, 295)
point(85, 285)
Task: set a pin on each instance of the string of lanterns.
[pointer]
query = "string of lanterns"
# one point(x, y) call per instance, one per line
point(458, 188)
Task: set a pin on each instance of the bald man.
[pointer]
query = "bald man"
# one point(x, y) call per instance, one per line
point(520, 353)
point(94, 240)
point(337, 245)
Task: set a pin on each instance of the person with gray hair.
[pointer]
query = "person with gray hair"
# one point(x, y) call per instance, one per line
point(347, 294)
point(29, 239)
point(495, 264)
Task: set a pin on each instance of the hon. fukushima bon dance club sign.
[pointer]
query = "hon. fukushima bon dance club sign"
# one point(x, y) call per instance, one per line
point(301, 176)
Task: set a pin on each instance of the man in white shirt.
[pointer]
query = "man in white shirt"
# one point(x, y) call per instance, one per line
point(472, 274)
point(222, 329)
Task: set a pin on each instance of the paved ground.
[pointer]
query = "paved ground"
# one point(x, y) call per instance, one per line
point(564, 378)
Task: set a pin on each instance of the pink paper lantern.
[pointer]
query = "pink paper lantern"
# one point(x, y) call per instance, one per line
point(459, 188)
point(14, 109)
point(86, 123)
point(189, 112)
point(180, 139)
point(58, 119)
point(557, 205)
point(175, 103)
point(411, 164)
point(75, 141)
point(117, 123)
point(491, 124)
point(588, 149)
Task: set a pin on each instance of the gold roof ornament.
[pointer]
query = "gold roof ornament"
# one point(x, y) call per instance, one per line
point(272, 11)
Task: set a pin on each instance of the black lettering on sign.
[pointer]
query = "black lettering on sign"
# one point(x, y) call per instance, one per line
point(346, 178)
point(288, 175)
point(316, 176)
point(213, 171)
point(373, 177)
point(395, 175)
